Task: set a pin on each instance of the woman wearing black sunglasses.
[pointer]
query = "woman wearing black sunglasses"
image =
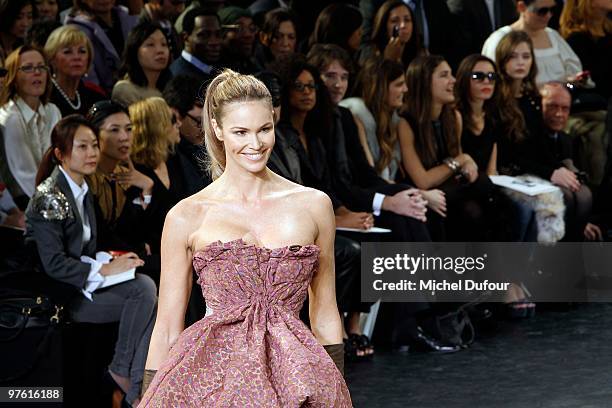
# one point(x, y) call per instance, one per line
point(554, 57)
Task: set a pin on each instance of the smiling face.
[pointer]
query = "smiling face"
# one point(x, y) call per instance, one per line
point(442, 84)
point(154, 54)
point(31, 84)
point(247, 133)
point(116, 137)
point(397, 90)
point(85, 153)
point(71, 61)
point(482, 89)
point(519, 63)
point(303, 93)
point(400, 17)
point(336, 78)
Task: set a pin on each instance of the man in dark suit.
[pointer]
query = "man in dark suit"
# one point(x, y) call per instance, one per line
point(202, 37)
point(477, 19)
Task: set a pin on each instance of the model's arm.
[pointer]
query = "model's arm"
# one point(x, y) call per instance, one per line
point(324, 316)
point(175, 285)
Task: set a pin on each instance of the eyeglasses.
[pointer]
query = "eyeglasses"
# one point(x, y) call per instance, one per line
point(252, 28)
point(481, 76)
point(198, 121)
point(29, 69)
point(300, 87)
point(542, 11)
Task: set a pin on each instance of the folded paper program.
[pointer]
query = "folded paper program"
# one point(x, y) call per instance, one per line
point(96, 280)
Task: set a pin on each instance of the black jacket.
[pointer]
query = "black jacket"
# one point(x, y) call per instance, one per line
point(54, 226)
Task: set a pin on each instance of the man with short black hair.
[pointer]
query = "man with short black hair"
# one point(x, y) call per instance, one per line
point(202, 53)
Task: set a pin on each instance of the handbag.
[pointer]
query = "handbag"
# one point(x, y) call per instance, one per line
point(21, 312)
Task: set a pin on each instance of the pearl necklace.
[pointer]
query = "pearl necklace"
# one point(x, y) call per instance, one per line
point(76, 106)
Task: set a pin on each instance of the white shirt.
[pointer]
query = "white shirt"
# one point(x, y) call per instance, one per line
point(94, 279)
point(197, 62)
point(555, 63)
point(27, 136)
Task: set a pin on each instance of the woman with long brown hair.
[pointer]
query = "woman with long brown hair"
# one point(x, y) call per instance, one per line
point(429, 132)
point(394, 35)
point(381, 87)
point(522, 148)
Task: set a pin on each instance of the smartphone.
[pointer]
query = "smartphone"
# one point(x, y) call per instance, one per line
point(396, 31)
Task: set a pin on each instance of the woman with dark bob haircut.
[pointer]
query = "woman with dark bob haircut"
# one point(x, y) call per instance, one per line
point(145, 65)
point(61, 222)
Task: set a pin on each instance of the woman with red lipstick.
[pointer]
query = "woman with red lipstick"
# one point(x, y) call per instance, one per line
point(476, 102)
point(27, 117)
point(145, 65)
point(70, 54)
point(16, 18)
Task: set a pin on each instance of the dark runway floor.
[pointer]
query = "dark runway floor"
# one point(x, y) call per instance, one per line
point(557, 359)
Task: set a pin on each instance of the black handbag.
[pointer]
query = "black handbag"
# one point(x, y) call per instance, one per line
point(19, 313)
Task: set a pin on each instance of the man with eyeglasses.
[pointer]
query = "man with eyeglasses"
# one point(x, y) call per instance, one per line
point(239, 33)
point(201, 56)
point(165, 12)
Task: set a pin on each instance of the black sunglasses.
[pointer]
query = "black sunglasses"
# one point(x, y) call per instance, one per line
point(481, 76)
point(3, 72)
point(542, 11)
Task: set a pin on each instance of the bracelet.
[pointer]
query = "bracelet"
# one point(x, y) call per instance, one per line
point(452, 164)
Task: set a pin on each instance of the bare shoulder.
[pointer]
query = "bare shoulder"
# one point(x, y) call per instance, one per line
point(186, 213)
